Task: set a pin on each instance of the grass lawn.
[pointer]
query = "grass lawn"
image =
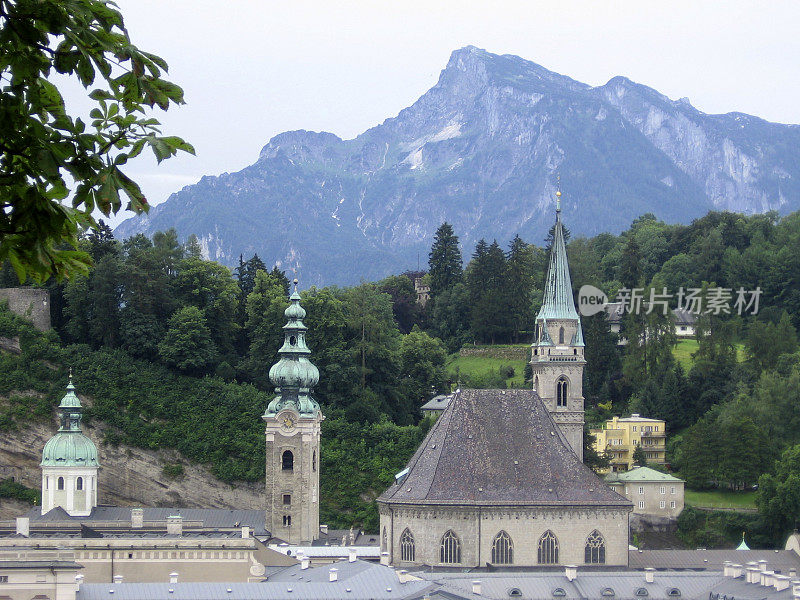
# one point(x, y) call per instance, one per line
point(687, 346)
point(471, 366)
point(721, 499)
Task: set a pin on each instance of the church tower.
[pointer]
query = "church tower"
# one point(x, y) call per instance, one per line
point(557, 359)
point(69, 462)
point(293, 435)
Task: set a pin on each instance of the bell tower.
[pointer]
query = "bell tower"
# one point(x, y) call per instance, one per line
point(293, 420)
point(557, 358)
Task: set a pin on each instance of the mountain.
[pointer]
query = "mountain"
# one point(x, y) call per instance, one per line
point(481, 149)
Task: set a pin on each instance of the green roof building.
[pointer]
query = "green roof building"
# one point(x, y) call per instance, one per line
point(69, 462)
point(655, 495)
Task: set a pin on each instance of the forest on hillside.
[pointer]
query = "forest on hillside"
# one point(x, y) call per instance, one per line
point(174, 351)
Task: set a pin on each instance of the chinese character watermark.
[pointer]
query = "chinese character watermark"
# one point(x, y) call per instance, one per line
point(715, 301)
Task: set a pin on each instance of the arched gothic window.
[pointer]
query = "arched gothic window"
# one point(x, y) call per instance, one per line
point(384, 539)
point(314, 461)
point(595, 549)
point(561, 335)
point(79, 483)
point(407, 546)
point(536, 384)
point(548, 549)
point(287, 460)
point(502, 549)
point(450, 549)
point(60, 485)
point(561, 391)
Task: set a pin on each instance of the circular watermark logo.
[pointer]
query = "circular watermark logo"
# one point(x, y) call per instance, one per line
point(591, 300)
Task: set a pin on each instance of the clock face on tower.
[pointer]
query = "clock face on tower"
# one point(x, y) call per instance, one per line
point(287, 422)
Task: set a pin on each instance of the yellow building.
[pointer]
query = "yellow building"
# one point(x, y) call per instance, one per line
point(619, 438)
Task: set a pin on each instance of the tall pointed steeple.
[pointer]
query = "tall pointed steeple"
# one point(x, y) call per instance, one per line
point(557, 355)
point(558, 302)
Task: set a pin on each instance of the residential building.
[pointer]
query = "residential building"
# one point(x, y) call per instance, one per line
point(619, 438)
point(654, 494)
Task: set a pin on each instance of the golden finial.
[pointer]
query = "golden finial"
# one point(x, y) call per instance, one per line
point(295, 283)
point(558, 194)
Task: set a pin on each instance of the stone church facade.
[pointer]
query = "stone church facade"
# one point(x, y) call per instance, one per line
point(499, 479)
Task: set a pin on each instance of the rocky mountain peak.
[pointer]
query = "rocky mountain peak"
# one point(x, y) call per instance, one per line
point(481, 150)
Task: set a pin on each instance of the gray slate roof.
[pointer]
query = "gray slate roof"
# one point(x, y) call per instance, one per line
point(437, 402)
point(211, 518)
point(780, 560)
point(358, 580)
point(499, 447)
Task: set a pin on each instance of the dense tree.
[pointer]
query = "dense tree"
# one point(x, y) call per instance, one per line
point(449, 319)
point(422, 360)
point(210, 287)
point(444, 260)
point(43, 147)
point(187, 344)
point(766, 341)
point(520, 274)
point(778, 497)
point(265, 306)
point(405, 309)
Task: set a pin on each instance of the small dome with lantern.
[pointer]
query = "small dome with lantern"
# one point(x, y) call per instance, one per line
point(69, 447)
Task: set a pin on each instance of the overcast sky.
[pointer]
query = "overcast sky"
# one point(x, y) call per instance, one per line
point(254, 68)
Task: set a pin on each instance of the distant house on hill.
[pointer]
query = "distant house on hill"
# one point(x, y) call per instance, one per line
point(654, 494)
point(684, 320)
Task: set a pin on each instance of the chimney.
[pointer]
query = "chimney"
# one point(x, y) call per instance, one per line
point(762, 565)
point(173, 577)
point(766, 578)
point(351, 555)
point(137, 518)
point(793, 573)
point(571, 571)
point(304, 562)
point(118, 578)
point(781, 582)
point(753, 575)
point(24, 526)
point(795, 589)
point(175, 525)
point(333, 574)
point(245, 532)
point(323, 529)
point(476, 587)
point(649, 574)
point(385, 559)
point(736, 570)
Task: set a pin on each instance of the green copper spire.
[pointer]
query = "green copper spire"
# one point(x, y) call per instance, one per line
point(558, 302)
point(294, 376)
point(69, 447)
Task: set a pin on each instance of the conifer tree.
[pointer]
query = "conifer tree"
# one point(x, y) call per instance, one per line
point(444, 260)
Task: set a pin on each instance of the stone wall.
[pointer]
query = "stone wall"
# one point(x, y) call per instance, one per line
point(31, 303)
point(476, 529)
point(130, 476)
point(503, 352)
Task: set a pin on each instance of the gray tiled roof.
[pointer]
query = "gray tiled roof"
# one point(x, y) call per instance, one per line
point(437, 402)
point(499, 447)
point(358, 580)
point(211, 518)
point(781, 560)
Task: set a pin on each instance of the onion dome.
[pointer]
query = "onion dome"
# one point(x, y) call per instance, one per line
point(294, 376)
point(69, 447)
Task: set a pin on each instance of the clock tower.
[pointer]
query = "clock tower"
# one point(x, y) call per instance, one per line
point(293, 436)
